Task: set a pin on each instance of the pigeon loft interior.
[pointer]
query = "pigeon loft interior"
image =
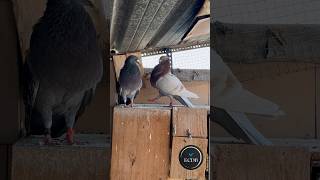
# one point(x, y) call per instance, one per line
point(287, 75)
point(150, 115)
point(97, 130)
point(148, 137)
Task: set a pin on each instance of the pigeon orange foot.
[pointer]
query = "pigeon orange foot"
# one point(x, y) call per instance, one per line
point(152, 100)
point(70, 134)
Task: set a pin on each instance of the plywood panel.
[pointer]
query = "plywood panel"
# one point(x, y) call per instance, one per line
point(35, 162)
point(190, 120)
point(95, 119)
point(140, 143)
point(205, 10)
point(9, 76)
point(176, 170)
point(292, 87)
point(118, 62)
point(201, 88)
point(249, 162)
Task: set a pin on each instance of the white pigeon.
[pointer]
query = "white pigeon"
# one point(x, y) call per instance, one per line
point(232, 100)
point(169, 85)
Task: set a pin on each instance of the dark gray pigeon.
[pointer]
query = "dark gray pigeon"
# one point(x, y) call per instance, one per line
point(169, 85)
point(130, 80)
point(62, 69)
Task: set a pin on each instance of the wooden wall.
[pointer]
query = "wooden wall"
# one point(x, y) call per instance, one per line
point(293, 86)
point(9, 91)
point(9, 77)
point(201, 88)
point(249, 162)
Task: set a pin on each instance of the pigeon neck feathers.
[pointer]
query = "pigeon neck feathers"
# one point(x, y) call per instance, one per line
point(66, 21)
point(131, 66)
point(159, 71)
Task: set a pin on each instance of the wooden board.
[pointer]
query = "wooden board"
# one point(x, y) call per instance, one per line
point(249, 162)
point(201, 88)
point(118, 62)
point(140, 143)
point(190, 119)
point(291, 86)
point(205, 10)
point(35, 162)
point(11, 106)
point(176, 170)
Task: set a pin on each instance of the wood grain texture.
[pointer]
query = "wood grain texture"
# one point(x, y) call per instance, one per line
point(190, 119)
point(140, 143)
point(31, 161)
point(176, 170)
point(201, 88)
point(205, 10)
point(249, 162)
point(291, 86)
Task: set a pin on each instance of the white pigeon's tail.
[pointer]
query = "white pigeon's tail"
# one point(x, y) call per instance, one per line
point(189, 94)
point(184, 101)
point(239, 126)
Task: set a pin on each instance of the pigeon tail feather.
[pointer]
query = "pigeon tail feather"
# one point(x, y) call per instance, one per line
point(189, 94)
point(184, 100)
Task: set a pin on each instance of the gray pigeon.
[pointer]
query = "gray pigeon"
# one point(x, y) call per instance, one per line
point(169, 85)
point(130, 80)
point(62, 69)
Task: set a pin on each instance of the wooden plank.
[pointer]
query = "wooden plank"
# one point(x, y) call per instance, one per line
point(205, 10)
point(27, 13)
point(200, 31)
point(35, 162)
point(140, 143)
point(193, 120)
point(249, 162)
point(118, 62)
point(201, 88)
point(299, 121)
point(247, 43)
point(179, 172)
point(9, 76)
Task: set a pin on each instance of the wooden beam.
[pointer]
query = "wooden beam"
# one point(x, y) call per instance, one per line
point(179, 172)
point(249, 162)
point(140, 143)
point(254, 43)
point(205, 10)
point(90, 160)
point(190, 120)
